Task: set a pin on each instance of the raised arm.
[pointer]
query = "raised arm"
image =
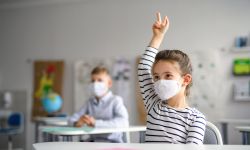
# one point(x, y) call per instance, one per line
point(144, 68)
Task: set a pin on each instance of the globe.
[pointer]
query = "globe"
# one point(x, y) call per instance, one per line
point(52, 103)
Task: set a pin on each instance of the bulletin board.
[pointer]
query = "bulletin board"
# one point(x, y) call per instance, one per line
point(140, 105)
point(207, 82)
point(46, 74)
point(119, 69)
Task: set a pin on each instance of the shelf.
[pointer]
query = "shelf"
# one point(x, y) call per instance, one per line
point(245, 49)
point(242, 99)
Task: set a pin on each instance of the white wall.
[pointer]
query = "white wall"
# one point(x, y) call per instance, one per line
point(73, 30)
point(1, 80)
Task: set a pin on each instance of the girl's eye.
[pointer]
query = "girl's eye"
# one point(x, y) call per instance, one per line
point(99, 80)
point(168, 76)
point(156, 78)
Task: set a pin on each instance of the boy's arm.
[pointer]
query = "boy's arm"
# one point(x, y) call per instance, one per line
point(120, 118)
point(76, 116)
point(144, 68)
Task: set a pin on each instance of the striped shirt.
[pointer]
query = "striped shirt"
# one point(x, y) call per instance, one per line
point(164, 123)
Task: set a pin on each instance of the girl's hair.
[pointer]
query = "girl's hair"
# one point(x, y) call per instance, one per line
point(181, 58)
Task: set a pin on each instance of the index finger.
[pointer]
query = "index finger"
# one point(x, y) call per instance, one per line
point(158, 16)
point(165, 21)
point(86, 120)
point(84, 116)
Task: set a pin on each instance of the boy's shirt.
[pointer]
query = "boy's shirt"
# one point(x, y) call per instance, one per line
point(109, 112)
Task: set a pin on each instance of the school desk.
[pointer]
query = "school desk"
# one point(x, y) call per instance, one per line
point(68, 132)
point(224, 125)
point(245, 130)
point(52, 121)
point(132, 146)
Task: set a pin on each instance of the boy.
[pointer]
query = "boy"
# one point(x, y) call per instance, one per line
point(103, 110)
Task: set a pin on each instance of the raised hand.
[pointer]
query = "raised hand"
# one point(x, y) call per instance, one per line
point(159, 29)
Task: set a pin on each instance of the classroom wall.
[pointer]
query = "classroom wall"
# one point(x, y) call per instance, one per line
point(78, 29)
point(1, 80)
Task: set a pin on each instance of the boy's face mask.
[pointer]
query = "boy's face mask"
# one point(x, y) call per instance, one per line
point(98, 89)
point(166, 89)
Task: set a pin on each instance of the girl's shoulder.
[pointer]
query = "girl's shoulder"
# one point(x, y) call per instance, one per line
point(189, 112)
point(196, 113)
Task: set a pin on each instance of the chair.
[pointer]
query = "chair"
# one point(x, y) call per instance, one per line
point(212, 135)
point(12, 124)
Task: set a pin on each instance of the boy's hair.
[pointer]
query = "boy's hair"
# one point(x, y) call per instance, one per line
point(99, 70)
point(181, 58)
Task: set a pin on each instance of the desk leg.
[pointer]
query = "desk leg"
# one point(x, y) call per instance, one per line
point(47, 137)
point(67, 138)
point(55, 138)
point(128, 137)
point(70, 138)
point(10, 142)
point(64, 138)
point(80, 138)
point(44, 137)
point(142, 136)
point(245, 138)
point(224, 132)
point(36, 131)
point(50, 137)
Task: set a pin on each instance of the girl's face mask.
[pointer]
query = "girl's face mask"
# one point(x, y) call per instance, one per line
point(167, 89)
point(168, 79)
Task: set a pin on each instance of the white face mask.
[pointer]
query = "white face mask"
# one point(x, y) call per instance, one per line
point(166, 89)
point(98, 89)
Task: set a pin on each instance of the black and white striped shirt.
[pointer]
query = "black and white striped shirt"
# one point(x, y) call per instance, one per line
point(164, 123)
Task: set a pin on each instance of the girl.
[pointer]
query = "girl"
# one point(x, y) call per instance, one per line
point(165, 79)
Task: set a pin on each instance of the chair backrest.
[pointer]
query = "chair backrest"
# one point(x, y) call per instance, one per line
point(212, 135)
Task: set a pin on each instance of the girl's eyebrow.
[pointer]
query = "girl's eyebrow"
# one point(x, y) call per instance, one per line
point(163, 73)
point(167, 72)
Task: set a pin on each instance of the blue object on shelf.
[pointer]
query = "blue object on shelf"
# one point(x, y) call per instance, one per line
point(14, 119)
point(241, 41)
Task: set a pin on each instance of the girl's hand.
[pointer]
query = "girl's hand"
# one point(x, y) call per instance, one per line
point(159, 29)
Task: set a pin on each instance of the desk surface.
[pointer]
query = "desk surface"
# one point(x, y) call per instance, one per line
point(243, 128)
point(58, 121)
point(133, 146)
point(89, 130)
point(230, 120)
